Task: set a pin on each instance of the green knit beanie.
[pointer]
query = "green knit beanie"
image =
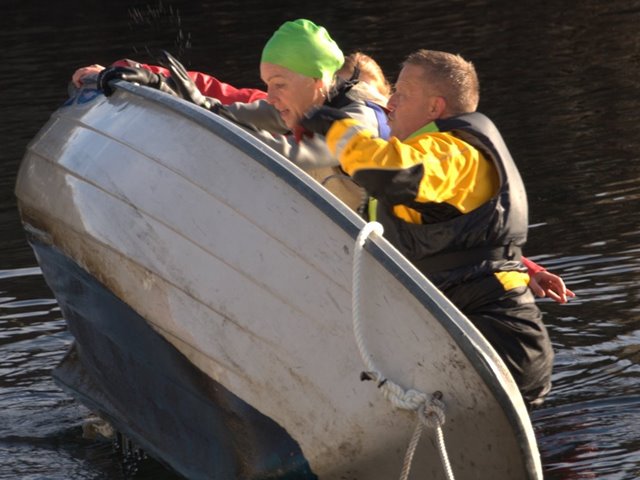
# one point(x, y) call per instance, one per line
point(305, 48)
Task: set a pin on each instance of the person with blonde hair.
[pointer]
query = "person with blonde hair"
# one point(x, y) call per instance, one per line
point(370, 73)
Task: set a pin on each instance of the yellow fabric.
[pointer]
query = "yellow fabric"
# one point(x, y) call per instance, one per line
point(514, 279)
point(454, 171)
point(407, 214)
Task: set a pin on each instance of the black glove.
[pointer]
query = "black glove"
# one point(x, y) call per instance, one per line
point(321, 119)
point(185, 87)
point(134, 75)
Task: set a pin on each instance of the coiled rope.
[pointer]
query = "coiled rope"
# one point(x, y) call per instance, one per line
point(429, 408)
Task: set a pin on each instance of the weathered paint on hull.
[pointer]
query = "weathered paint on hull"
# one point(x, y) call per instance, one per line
point(122, 368)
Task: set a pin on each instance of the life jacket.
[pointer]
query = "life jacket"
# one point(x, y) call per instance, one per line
point(481, 241)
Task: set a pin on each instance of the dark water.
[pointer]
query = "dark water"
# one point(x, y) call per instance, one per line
point(561, 80)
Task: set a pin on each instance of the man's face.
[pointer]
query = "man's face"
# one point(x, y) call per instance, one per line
point(412, 103)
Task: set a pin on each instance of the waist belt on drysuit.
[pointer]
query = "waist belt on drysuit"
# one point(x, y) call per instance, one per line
point(473, 256)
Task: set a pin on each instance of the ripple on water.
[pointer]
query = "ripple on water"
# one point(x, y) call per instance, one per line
point(590, 439)
point(40, 425)
point(588, 426)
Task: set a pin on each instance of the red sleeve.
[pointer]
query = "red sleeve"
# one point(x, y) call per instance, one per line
point(212, 87)
point(208, 85)
point(532, 266)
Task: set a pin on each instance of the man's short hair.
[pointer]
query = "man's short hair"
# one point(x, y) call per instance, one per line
point(452, 76)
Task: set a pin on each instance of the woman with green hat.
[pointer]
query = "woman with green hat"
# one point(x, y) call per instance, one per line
point(298, 65)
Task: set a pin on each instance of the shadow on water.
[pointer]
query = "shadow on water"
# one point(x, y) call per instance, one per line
point(41, 427)
point(562, 83)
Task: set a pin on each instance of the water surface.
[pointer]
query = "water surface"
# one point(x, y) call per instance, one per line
point(561, 82)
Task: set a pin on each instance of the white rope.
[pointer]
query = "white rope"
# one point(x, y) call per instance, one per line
point(430, 409)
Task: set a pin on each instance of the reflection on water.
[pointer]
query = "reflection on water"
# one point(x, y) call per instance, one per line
point(590, 439)
point(41, 426)
point(562, 83)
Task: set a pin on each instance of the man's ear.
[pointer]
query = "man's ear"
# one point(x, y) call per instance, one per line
point(438, 106)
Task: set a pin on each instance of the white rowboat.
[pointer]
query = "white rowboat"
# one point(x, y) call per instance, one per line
point(208, 284)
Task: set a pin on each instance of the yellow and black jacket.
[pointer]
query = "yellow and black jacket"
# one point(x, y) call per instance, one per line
point(449, 197)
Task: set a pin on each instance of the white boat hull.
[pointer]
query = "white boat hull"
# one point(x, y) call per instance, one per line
point(242, 263)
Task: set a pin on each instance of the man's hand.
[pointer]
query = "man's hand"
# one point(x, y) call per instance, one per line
point(547, 284)
point(320, 120)
point(134, 75)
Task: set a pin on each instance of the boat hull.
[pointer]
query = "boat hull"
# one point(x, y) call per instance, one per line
point(122, 368)
point(239, 264)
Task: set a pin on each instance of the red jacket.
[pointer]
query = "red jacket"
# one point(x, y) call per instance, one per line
point(207, 84)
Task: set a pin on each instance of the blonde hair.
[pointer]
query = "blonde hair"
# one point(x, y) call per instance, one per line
point(370, 72)
point(453, 77)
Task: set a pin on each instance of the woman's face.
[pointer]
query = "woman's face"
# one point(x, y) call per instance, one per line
point(291, 93)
